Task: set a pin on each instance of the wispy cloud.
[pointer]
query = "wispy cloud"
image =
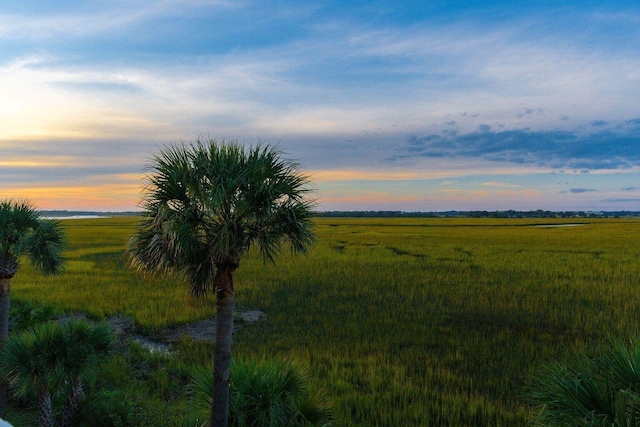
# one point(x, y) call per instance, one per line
point(53, 20)
point(355, 175)
point(341, 76)
point(623, 200)
point(499, 184)
point(581, 190)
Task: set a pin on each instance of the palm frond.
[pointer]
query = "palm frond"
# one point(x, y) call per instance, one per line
point(45, 246)
point(24, 232)
point(208, 202)
point(202, 386)
point(30, 359)
point(602, 389)
point(621, 362)
point(17, 366)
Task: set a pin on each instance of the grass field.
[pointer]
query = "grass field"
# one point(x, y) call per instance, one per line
point(426, 322)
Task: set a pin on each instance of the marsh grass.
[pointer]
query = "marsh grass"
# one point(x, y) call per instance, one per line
point(403, 321)
point(97, 280)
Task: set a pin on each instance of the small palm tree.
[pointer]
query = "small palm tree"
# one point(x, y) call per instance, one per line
point(84, 347)
point(268, 393)
point(600, 389)
point(51, 359)
point(24, 233)
point(206, 204)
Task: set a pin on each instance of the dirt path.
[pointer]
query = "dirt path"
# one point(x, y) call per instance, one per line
point(202, 330)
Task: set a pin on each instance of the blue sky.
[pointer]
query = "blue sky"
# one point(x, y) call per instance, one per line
point(405, 105)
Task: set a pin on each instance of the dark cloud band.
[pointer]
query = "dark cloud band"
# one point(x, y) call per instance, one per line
point(612, 148)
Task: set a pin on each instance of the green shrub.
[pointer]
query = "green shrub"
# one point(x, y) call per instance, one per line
point(26, 314)
point(107, 408)
point(54, 361)
point(600, 389)
point(267, 393)
point(118, 408)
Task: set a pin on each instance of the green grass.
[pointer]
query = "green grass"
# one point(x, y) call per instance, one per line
point(97, 280)
point(435, 322)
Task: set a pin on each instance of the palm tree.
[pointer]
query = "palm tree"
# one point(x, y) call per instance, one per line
point(84, 347)
point(52, 358)
point(206, 204)
point(24, 233)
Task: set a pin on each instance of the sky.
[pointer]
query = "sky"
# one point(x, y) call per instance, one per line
point(386, 105)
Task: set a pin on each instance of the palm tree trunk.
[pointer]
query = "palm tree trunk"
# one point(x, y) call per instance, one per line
point(5, 289)
point(45, 406)
point(71, 404)
point(225, 303)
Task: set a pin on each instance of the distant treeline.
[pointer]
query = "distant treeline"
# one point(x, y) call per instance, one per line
point(479, 214)
point(401, 214)
point(63, 213)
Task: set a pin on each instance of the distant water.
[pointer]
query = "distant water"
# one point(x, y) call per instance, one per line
point(76, 217)
point(558, 225)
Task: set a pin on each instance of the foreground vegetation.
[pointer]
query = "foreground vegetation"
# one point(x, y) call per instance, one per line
point(435, 322)
point(600, 388)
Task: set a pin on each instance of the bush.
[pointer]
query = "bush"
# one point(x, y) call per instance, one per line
point(267, 393)
point(600, 389)
point(26, 314)
point(56, 361)
point(108, 408)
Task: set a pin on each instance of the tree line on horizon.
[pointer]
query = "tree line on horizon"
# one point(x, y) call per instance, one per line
point(407, 214)
point(480, 214)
